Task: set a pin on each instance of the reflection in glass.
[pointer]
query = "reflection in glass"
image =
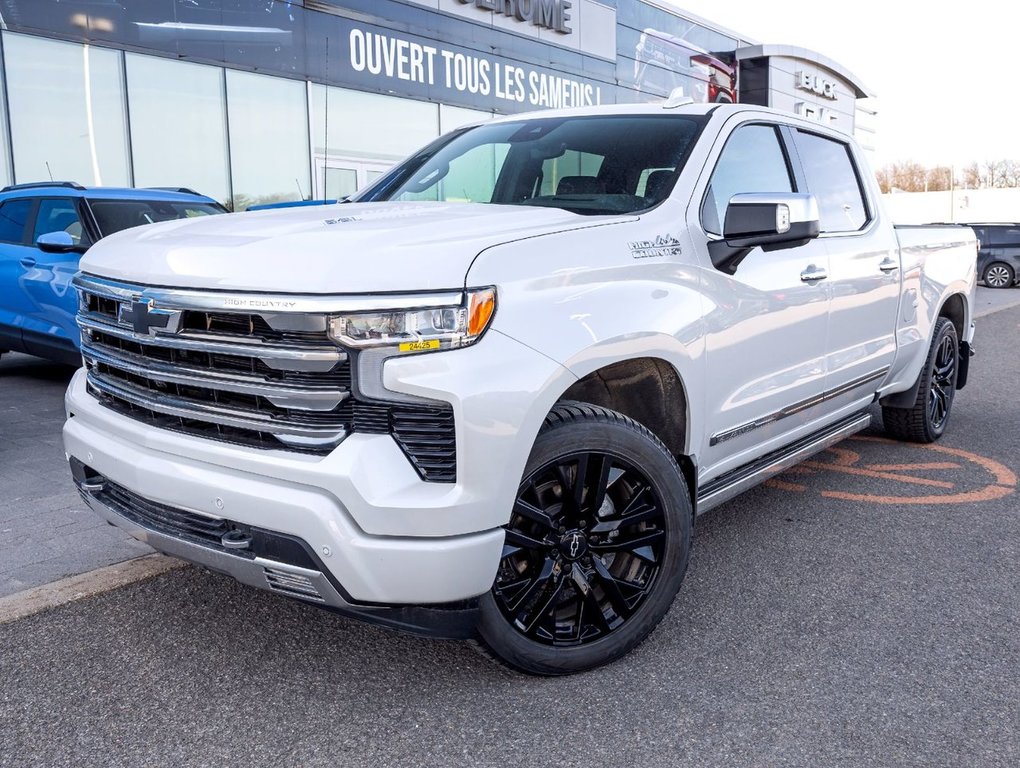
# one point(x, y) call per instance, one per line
point(268, 119)
point(455, 117)
point(178, 125)
point(67, 111)
point(370, 126)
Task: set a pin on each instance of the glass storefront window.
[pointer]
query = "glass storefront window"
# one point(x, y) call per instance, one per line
point(370, 126)
point(455, 117)
point(268, 118)
point(67, 111)
point(178, 125)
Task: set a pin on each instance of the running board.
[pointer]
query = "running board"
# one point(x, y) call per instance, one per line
point(735, 482)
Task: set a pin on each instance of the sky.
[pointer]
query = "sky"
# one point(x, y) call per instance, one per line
point(947, 81)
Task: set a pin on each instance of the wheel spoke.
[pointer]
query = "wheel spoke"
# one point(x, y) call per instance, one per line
point(544, 609)
point(601, 611)
point(537, 585)
point(521, 541)
point(534, 514)
point(624, 544)
point(611, 588)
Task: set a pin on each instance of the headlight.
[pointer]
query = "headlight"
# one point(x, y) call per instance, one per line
point(421, 329)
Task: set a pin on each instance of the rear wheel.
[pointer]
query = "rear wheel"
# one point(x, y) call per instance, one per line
point(926, 420)
point(998, 275)
point(596, 547)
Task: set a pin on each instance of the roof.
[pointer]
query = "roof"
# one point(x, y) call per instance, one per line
point(71, 189)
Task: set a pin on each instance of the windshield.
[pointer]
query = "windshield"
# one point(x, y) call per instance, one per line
point(588, 165)
point(115, 215)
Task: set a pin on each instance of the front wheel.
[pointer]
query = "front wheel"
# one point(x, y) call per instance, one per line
point(998, 275)
point(596, 547)
point(926, 420)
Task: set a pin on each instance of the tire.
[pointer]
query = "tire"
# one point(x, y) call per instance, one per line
point(586, 576)
point(998, 275)
point(926, 420)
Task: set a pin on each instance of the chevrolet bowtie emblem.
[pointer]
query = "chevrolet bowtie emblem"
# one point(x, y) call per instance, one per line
point(145, 319)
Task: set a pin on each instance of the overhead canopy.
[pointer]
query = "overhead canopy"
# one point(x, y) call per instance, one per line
point(861, 91)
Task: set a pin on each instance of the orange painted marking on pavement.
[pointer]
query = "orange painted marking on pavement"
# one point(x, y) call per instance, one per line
point(1005, 479)
point(912, 467)
point(883, 475)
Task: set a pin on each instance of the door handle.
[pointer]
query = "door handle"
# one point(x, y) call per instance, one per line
point(813, 274)
point(888, 265)
point(27, 262)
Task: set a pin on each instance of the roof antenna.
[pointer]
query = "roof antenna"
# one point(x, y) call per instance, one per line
point(325, 141)
point(301, 194)
point(48, 170)
point(677, 99)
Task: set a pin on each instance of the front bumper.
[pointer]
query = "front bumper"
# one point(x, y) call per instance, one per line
point(261, 559)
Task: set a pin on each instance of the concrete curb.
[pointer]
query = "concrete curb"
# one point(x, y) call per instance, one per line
point(57, 593)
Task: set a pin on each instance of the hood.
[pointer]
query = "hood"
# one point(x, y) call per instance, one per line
point(332, 249)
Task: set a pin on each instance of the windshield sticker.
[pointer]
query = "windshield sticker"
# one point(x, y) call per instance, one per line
point(663, 246)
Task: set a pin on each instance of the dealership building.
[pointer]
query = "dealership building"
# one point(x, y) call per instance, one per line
point(253, 101)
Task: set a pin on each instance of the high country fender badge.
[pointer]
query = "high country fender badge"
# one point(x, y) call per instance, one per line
point(662, 246)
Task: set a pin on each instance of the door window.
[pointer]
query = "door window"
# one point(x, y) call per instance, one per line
point(752, 161)
point(59, 215)
point(13, 218)
point(832, 179)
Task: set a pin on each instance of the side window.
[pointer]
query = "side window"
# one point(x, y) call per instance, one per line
point(13, 218)
point(1004, 236)
point(832, 179)
point(751, 161)
point(59, 215)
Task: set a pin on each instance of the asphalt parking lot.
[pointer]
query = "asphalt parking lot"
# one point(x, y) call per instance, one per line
point(863, 609)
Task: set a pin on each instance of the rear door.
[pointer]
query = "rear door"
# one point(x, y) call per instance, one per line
point(765, 324)
point(864, 271)
point(17, 260)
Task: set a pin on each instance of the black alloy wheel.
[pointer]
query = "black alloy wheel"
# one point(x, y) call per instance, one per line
point(583, 549)
point(943, 382)
point(596, 546)
point(925, 421)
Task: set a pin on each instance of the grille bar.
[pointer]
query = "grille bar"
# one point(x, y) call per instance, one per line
point(279, 357)
point(302, 398)
point(171, 405)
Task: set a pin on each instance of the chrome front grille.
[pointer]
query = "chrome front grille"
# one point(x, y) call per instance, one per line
point(276, 377)
point(244, 369)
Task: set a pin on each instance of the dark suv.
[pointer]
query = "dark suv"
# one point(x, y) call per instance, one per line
point(998, 261)
point(44, 230)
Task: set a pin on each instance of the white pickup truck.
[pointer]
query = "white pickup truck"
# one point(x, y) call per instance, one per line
point(486, 398)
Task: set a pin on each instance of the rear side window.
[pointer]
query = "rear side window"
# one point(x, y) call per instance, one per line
point(13, 218)
point(751, 161)
point(1003, 236)
point(832, 179)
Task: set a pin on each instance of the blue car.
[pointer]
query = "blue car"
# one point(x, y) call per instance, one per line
point(44, 230)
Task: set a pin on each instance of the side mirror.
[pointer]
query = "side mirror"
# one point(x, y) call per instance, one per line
point(56, 242)
point(769, 221)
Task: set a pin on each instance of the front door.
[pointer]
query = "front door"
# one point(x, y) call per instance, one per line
point(765, 324)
